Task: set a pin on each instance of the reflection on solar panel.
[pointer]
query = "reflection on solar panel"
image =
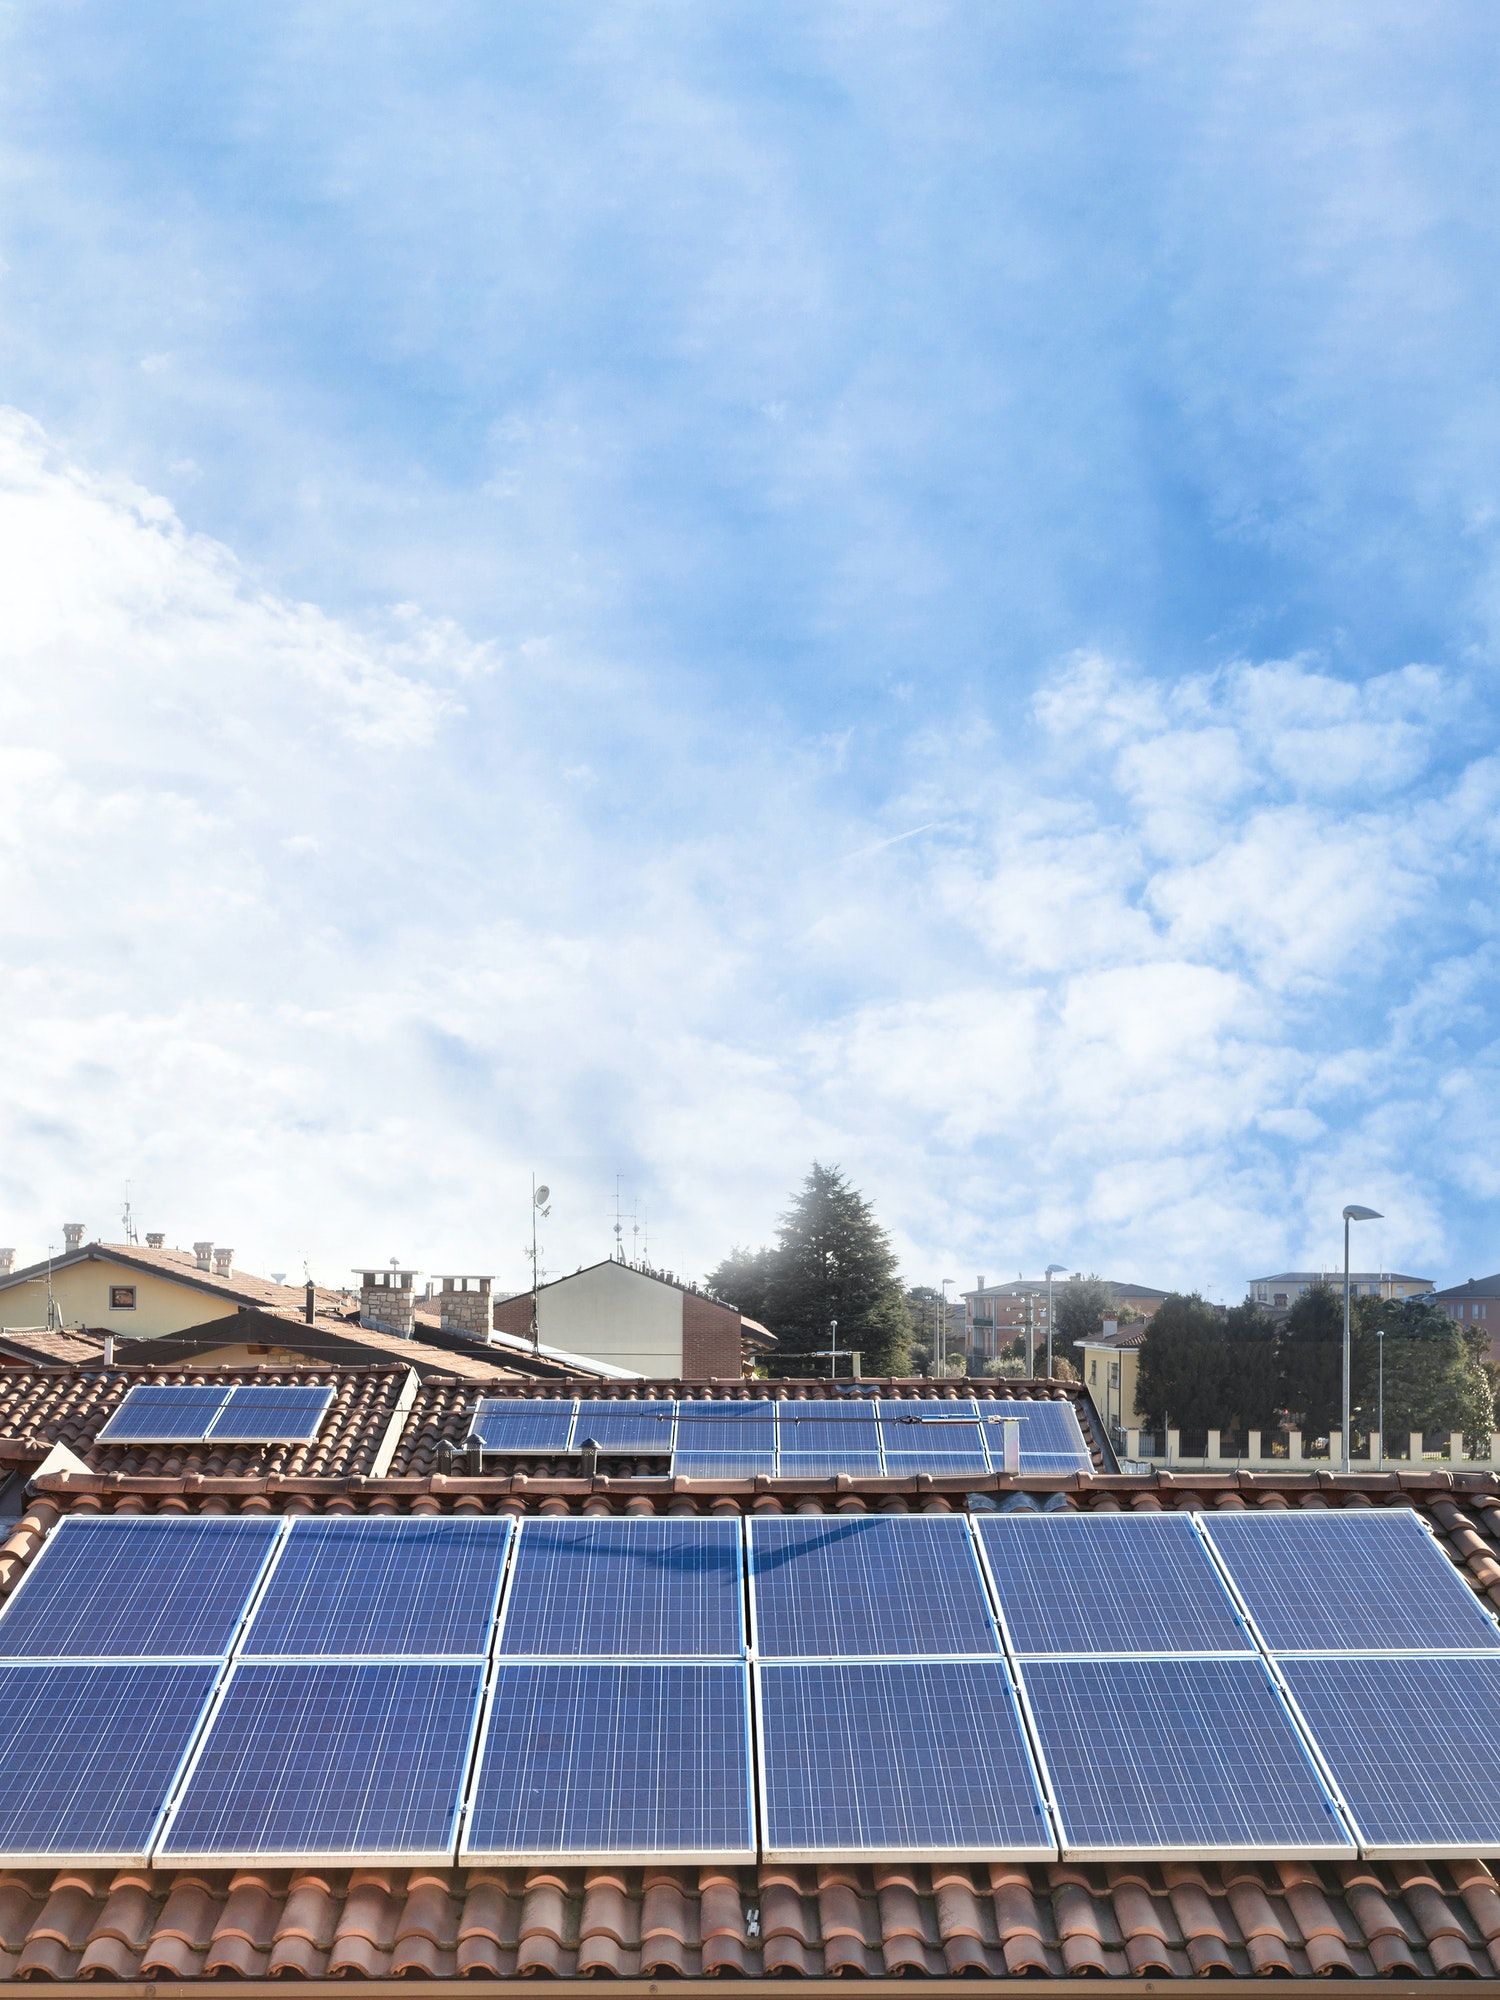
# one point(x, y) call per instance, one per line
point(919, 1759)
point(828, 1465)
point(327, 1762)
point(1411, 1745)
point(1177, 1758)
point(136, 1588)
point(1109, 1583)
point(614, 1762)
point(611, 1587)
point(1051, 1439)
point(1347, 1581)
point(88, 1755)
point(833, 1429)
point(164, 1413)
point(372, 1586)
point(641, 1429)
point(722, 1464)
point(272, 1413)
point(724, 1425)
point(539, 1423)
point(829, 1587)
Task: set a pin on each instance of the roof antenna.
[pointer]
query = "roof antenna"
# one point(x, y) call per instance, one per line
point(128, 1220)
point(541, 1197)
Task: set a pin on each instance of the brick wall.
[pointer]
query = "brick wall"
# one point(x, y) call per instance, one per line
point(712, 1350)
point(514, 1315)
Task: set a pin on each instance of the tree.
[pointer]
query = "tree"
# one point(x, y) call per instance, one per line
point(1311, 1353)
point(1182, 1364)
point(1079, 1309)
point(743, 1281)
point(832, 1261)
point(924, 1304)
point(1250, 1387)
point(1435, 1378)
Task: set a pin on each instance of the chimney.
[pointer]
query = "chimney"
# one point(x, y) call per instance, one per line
point(385, 1299)
point(203, 1255)
point(155, 1239)
point(979, 1287)
point(464, 1306)
point(223, 1263)
point(7, 1262)
point(1111, 1328)
point(73, 1235)
point(310, 1303)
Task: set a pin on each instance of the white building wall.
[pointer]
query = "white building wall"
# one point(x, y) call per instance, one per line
point(614, 1314)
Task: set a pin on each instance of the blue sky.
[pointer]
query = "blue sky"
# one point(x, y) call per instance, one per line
point(668, 590)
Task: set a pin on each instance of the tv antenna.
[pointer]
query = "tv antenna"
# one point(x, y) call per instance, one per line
point(541, 1200)
point(622, 1216)
point(128, 1220)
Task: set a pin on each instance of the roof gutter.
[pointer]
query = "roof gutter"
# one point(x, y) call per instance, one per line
point(963, 1988)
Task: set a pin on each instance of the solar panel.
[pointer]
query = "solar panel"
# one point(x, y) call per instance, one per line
point(137, 1587)
point(524, 1423)
point(828, 1465)
point(88, 1756)
point(272, 1413)
point(722, 1464)
point(614, 1762)
point(723, 1424)
point(635, 1429)
point(1109, 1583)
point(831, 1429)
point(332, 1762)
point(372, 1586)
point(164, 1413)
point(1178, 1759)
point(826, 1586)
point(1410, 1742)
point(932, 1427)
point(612, 1587)
point(1051, 1437)
point(915, 1759)
point(1349, 1580)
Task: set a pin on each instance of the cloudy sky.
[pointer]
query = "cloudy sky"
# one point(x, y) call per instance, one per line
point(668, 590)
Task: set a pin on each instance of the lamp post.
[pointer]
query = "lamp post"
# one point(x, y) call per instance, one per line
point(1380, 1390)
point(942, 1354)
point(1352, 1213)
point(1052, 1270)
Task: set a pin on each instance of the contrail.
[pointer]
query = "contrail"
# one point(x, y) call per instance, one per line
point(894, 841)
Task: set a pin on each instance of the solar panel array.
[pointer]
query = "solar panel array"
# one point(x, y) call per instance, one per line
point(243, 1413)
point(741, 1437)
point(198, 1692)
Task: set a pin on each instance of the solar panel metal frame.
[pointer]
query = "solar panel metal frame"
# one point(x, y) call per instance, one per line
point(526, 1404)
point(137, 1858)
point(220, 1430)
point(306, 1857)
point(1042, 1851)
point(109, 1434)
point(630, 1524)
point(472, 1856)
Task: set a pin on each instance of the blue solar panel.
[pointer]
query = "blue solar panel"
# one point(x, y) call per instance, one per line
point(613, 1587)
point(1349, 1580)
point(137, 1588)
point(826, 1586)
point(941, 1465)
point(1411, 1745)
point(744, 1428)
point(614, 1762)
point(524, 1423)
point(372, 1586)
point(272, 1413)
point(1109, 1583)
point(1051, 1437)
point(1177, 1758)
point(728, 1464)
point(88, 1756)
point(332, 1762)
point(934, 1428)
point(831, 1429)
point(914, 1759)
point(828, 1465)
point(165, 1413)
point(635, 1429)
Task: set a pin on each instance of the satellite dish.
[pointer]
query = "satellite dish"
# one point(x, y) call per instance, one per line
point(542, 1196)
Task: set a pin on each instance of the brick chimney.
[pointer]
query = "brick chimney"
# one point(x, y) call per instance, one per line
point(223, 1263)
point(385, 1299)
point(73, 1235)
point(203, 1255)
point(464, 1306)
point(155, 1239)
point(7, 1262)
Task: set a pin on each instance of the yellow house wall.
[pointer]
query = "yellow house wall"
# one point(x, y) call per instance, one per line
point(81, 1293)
point(1116, 1406)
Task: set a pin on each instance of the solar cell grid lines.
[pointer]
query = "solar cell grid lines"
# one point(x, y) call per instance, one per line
point(611, 1588)
point(194, 1413)
point(134, 1588)
point(835, 1429)
point(372, 1586)
point(916, 1759)
point(330, 1761)
point(524, 1423)
point(614, 1761)
point(839, 1587)
point(272, 1413)
point(1346, 1580)
point(88, 1755)
point(623, 1424)
point(1410, 1743)
point(164, 1413)
point(1178, 1759)
point(1051, 1436)
point(1109, 1583)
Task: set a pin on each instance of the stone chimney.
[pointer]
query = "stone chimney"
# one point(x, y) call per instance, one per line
point(385, 1299)
point(464, 1306)
point(7, 1262)
point(155, 1239)
point(223, 1263)
point(73, 1235)
point(203, 1255)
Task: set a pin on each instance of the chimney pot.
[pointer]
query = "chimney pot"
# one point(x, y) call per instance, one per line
point(203, 1255)
point(73, 1235)
point(7, 1262)
point(155, 1239)
point(223, 1263)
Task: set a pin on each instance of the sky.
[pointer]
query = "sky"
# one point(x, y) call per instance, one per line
point(668, 591)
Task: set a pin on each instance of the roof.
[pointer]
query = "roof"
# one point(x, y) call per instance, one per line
point(1016, 1287)
point(667, 1278)
point(1133, 1335)
point(325, 1339)
point(41, 1343)
point(1477, 1288)
point(1057, 1922)
point(1330, 1277)
point(181, 1266)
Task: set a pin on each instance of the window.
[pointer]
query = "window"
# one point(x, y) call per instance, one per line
point(1280, 1299)
point(1093, 1371)
point(1481, 1312)
point(122, 1298)
point(1114, 1374)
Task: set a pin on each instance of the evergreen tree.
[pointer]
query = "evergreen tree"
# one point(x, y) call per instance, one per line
point(1435, 1378)
point(1311, 1352)
point(743, 1281)
point(1251, 1380)
point(1183, 1364)
point(1079, 1310)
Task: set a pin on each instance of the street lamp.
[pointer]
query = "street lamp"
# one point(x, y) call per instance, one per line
point(942, 1355)
point(1052, 1269)
point(1353, 1213)
point(1380, 1391)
